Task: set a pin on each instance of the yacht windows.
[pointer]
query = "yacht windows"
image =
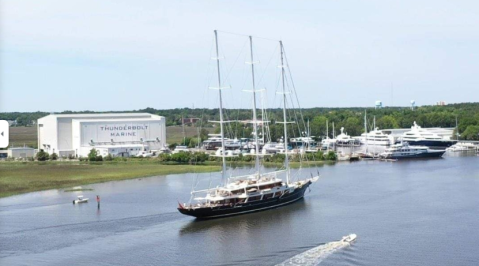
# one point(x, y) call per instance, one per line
point(236, 192)
point(268, 196)
point(255, 198)
point(267, 186)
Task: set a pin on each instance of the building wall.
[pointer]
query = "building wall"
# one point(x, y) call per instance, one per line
point(64, 133)
point(72, 134)
point(47, 133)
point(21, 153)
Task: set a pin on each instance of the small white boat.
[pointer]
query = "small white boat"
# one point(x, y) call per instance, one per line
point(462, 146)
point(145, 154)
point(80, 199)
point(349, 238)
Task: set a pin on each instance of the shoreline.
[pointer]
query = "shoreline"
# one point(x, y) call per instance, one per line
point(25, 177)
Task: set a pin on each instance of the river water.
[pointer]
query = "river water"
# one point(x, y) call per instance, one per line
point(419, 212)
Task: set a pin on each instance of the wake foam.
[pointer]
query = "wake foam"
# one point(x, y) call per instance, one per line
point(315, 255)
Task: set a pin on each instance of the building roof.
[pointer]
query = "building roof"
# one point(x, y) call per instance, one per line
point(73, 116)
point(20, 148)
point(128, 119)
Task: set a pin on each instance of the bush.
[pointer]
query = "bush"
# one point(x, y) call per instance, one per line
point(172, 146)
point(198, 157)
point(181, 157)
point(99, 158)
point(93, 155)
point(164, 157)
point(71, 156)
point(42, 155)
point(108, 157)
point(54, 157)
point(83, 159)
point(120, 159)
point(331, 156)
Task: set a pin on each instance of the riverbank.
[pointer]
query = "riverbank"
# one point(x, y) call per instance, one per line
point(22, 177)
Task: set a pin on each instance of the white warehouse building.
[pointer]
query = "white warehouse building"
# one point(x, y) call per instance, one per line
point(118, 134)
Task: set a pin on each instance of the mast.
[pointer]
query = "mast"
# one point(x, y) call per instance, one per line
point(457, 130)
point(198, 137)
point(183, 125)
point(255, 122)
point(286, 162)
point(333, 132)
point(262, 117)
point(374, 122)
point(365, 123)
point(327, 132)
point(223, 172)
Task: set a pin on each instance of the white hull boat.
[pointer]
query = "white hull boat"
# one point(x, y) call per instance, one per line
point(80, 199)
point(349, 238)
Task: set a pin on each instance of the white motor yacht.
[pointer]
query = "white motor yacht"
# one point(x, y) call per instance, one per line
point(404, 151)
point(344, 139)
point(420, 136)
point(462, 146)
point(272, 148)
point(377, 137)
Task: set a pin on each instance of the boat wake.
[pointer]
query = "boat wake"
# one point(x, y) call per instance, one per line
point(317, 254)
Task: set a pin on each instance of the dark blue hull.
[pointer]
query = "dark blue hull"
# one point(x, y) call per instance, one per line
point(261, 205)
point(443, 144)
point(434, 154)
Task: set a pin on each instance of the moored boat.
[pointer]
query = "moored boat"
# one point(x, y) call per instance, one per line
point(422, 137)
point(80, 199)
point(406, 151)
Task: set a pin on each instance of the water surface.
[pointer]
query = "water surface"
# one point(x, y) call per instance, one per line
point(422, 212)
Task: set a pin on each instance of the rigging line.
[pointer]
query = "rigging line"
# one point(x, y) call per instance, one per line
point(266, 67)
point(247, 35)
point(229, 72)
point(294, 88)
point(208, 81)
point(294, 112)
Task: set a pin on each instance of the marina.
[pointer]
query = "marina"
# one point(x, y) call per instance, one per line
point(233, 133)
point(396, 210)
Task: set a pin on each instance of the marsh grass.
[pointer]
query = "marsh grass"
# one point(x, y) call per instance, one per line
point(22, 177)
point(78, 189)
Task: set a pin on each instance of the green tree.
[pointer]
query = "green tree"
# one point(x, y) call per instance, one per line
point(387, 122)
point(93, 155)
point(42, 155)
point(331, 156)
point(471, 133)
point(318, 126)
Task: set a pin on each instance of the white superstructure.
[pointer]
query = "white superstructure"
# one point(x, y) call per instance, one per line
point(377, 137)
point(118, 134)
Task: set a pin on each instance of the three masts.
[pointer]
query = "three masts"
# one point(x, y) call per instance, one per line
point(254, 192)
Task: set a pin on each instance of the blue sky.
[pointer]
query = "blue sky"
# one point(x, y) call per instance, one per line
point(123, 55)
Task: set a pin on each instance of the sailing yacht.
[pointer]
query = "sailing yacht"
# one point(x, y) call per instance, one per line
point(254, 192)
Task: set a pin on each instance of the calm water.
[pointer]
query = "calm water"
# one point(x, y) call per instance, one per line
point(423, 212)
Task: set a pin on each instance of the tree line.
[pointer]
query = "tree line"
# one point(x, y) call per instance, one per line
point(352, 119)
